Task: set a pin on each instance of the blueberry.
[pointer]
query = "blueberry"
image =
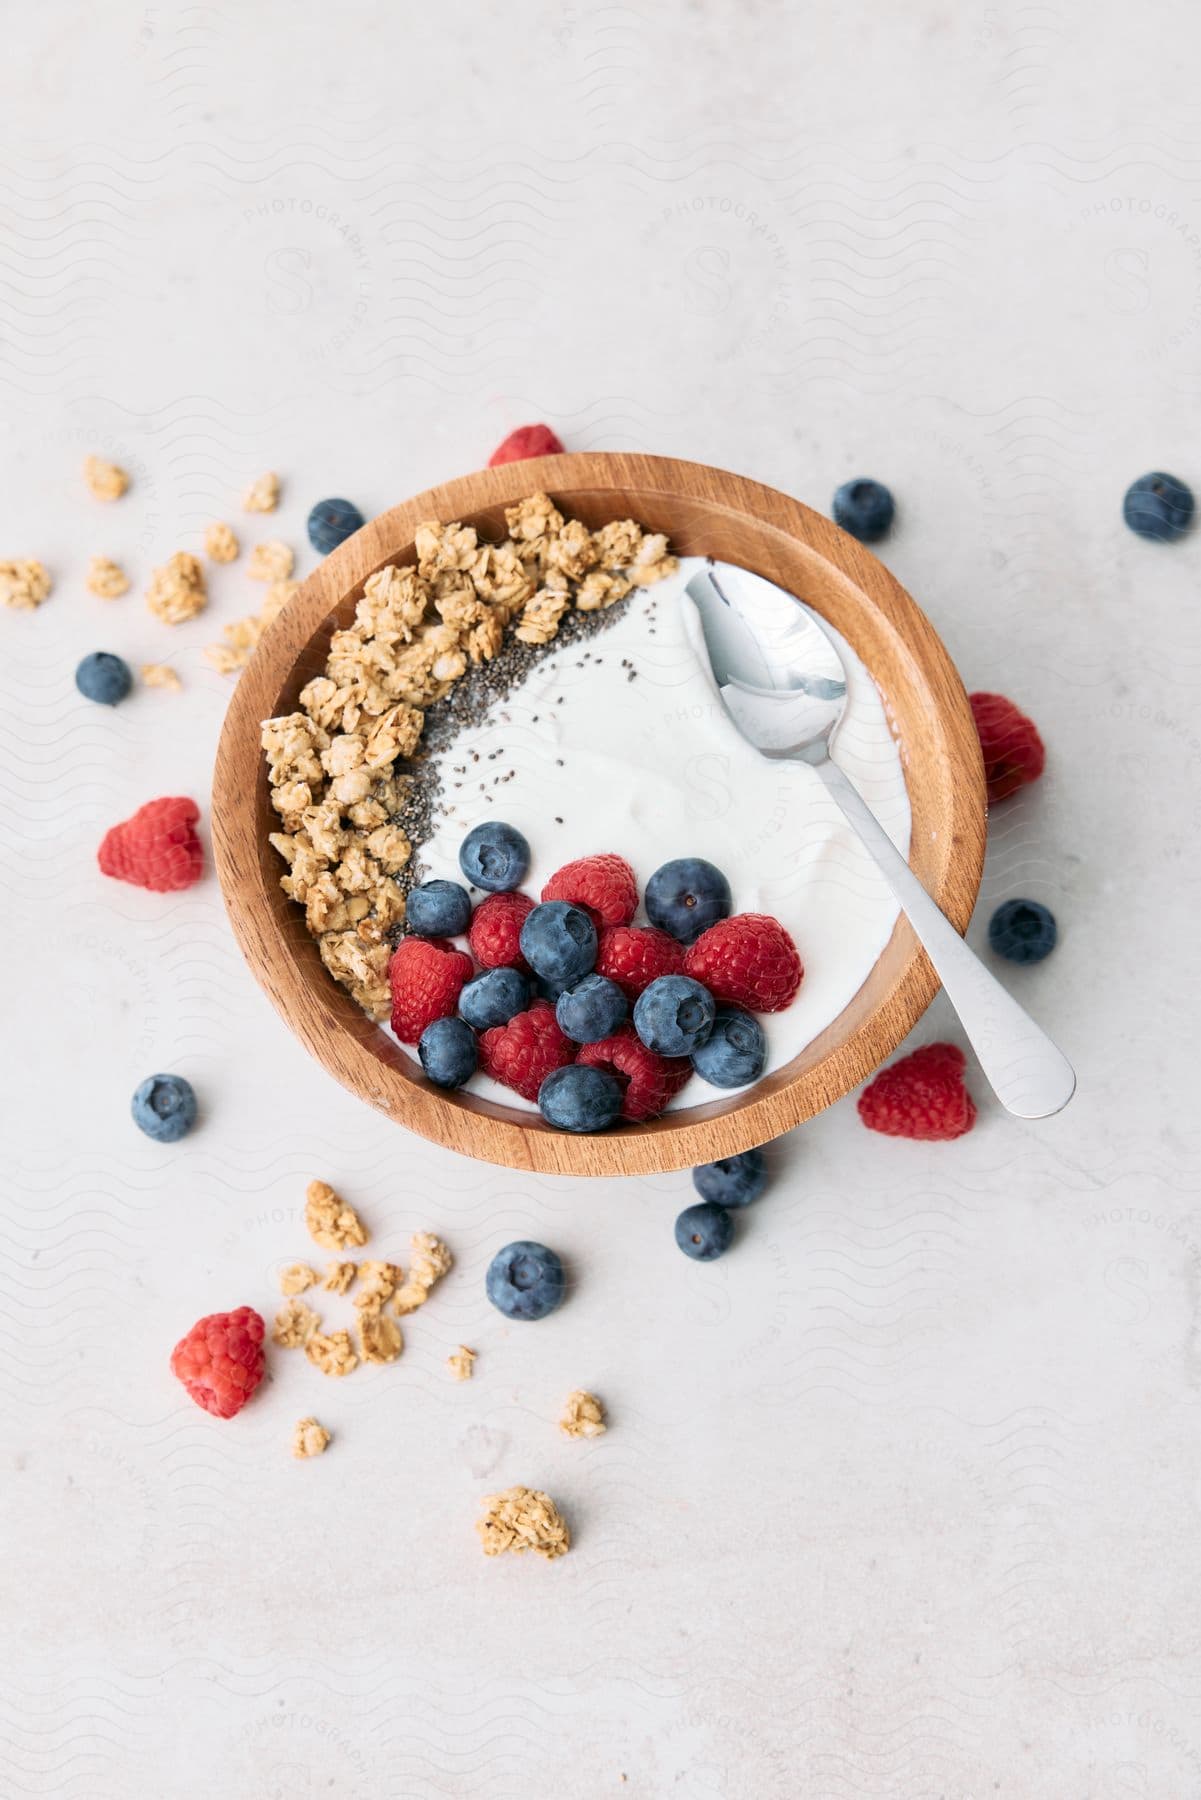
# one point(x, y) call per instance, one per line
point(704, 1232)
point(558, 941)
point(448, 1052)
point(1022, 931)
point(686, 896)
point(331, 522)
point(674, 1015)
point(103, 677)
point(578, 1098)
point(864, 508)
point(438, 909)
point(1159, 507)
point(734, 1181)
point(164, 1107)
point(591, 1010)
point(493, 997)
point(525, 1280)
point(734, 1052)
point(495, 856)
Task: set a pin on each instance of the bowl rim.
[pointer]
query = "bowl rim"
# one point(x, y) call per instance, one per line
point(361, 1056)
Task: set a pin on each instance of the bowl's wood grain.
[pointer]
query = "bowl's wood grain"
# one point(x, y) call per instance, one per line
point(703, 511)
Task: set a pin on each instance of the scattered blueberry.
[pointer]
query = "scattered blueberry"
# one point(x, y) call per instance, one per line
point(734, 1181)
point(103, 677)
point(734, 1052)
point(493, 997)
point(686, 896)
point(674, 1015)
point(331, 522)
point(495, 856)
point(558, 941)
point(448, 1052)
point(525, 1280)
point(592, 1009)
point(704, 1231)
point(1159, 507)
point(578, 1098)
point(1022, 931)
point(864, 508)
point(164, 1107)
point(438, 909)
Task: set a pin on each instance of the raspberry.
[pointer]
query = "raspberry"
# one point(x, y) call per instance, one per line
point(648, 1081)
point(522, 1053)
point(1013, 751)
point(635, 955)
point(157, 848)
point(427, 976)
point(495, 931)
point(603, 885)
point(526, 441)
point(921, 1096)
point(747, 960)
point(220, 1361)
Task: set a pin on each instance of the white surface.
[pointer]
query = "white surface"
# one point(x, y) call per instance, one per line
point(654, 768)
point(902, 1498)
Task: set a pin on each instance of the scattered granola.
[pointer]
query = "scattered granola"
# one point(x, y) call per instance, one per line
point(417, 632)
point(107, 578)
point(24, 583)
point(331, 1352)
point(106, 480)
point(271, 561)
point(461, 1363)
point(263, 494)
point(339, 1276)
point(309, 1438)
point(296, 1278)
point(177, 590)
point(379, 1338)
point(523, 1519)
point(583, 1415)
point(220, 542)
point(430, 1261)
point(294, 1325)
point(331, 1223)
point(160, 675)
point(242, 635)
point(377, 1283)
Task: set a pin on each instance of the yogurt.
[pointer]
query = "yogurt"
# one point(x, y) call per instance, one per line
point(621, 743)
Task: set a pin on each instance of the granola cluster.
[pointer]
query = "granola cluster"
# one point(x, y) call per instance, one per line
point(461, 1363)
point(272, 560)
point(263, 493)
point(240, 638)
point(220, 542)
point(309, 1438)
point(520, 1519)
point(106, 480)
point(106, 578)
point(24, 583)
point(177, 590)
point(382, 1289)
point(161, 675)
point(583, 1415)
point(416, 631)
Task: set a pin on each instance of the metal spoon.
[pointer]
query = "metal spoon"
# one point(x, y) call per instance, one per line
point(783, 684)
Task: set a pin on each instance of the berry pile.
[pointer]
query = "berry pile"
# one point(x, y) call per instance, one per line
point(575, 1006)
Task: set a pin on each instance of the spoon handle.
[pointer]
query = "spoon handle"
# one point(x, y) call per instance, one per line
point(1028, 1074)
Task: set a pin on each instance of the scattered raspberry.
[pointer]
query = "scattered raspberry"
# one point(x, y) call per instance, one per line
point(157, 848)
point(427, 976)
point(495, 931)
point(603, 885)
point(526, 441)
point(747, 960)
point(635, 955)
point(220, 1361)
point(522, 1053)
point(921, 1096)
point(1013, 751)
point(647, 1081)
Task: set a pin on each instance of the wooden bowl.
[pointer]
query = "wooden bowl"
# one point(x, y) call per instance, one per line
point(703, 511)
